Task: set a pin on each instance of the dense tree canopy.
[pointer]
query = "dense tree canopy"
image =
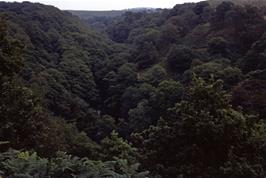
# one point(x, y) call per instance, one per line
point(203, 136)
point(179, 92)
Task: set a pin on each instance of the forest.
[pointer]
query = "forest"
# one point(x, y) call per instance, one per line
point(153, 93)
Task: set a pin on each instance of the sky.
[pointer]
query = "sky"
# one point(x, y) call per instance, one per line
point(108, 4)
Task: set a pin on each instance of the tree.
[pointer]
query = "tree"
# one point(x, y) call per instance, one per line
point(119, 32)
point(10, 51)
point(140, 118)
point(171, 33)
point(179, 58)
point(255, 57)
point(200, 7)
point(24, 122)
point(125, 77)
point(103, 127)
point(131, 97)
point(16, 102)
point(154, 75)
point(218, 46)
point(250, 94)
point(114, 147)
point(219, 17)
point(204, 136)
point(219, 70)
point(147, 55)
point(167, 94)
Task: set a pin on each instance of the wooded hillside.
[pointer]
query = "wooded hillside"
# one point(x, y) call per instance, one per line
point(172, 93)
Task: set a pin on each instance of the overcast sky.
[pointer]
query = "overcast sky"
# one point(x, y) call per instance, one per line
point(108, 4)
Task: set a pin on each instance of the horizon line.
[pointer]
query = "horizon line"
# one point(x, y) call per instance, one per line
point(97, 9)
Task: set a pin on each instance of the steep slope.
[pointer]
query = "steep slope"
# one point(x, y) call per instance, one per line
point(59, 54)
point(185, 85)
point(226, 41)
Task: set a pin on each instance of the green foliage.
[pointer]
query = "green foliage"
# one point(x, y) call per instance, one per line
point(19, 108)
point(78, 143)
point(76, 86)
point(255, 58)
point(218, 46)
point(140, 117)
point(114, 147)
point(125, 77)
point(179, 58)
point(9, 54)
point(154, 75)
point(167, 94)
point(258, 3)
point(203, 137)
point(219, 70)
point(59, 52)
point(24, 122)
point(18, 112)
point(147, 55)
point(26, 164)
point(171, 33)
point(250, 95)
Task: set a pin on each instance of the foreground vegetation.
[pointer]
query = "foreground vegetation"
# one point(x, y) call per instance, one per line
point(171, 93)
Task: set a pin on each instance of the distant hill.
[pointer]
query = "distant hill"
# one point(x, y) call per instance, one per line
point(89, 14)
point(258, 3)
point(85, 15)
